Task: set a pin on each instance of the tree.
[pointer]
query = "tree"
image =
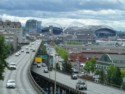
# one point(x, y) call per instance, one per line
point(87, 66)
point(90, 65)
point(102, 76)
point(67, 67)
point(62, 52)
point(4, 50)
point(93, 63)
point(123, 73)
point(118, 78)
point(110, 73)
point(114, 75)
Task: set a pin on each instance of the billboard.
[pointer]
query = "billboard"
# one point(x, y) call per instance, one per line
point(38, 59)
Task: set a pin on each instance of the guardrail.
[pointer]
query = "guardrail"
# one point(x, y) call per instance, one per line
point(31, 79)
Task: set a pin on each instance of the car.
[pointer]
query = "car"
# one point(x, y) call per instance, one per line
point(46, 70)
point(74, 76)
point(38, 65)
point(17, 54)
point(27, 51)
point(10, 84)
point(27, 47)
point(81, 85)
point(33, 50)
point(12, 66)
point(22, 50)
point(35, 63)
point(75, 71)
point(43, 65)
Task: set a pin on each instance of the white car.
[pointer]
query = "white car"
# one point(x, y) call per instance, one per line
point(74, 76)
point(12, 66)
point(81, 85)
point(45, 70)
point(17, 54)
point(11, 84)
point(38, 65)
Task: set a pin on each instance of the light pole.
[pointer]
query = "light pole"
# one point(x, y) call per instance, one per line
point(56, 61)
point(78, 63)
point(49, 64)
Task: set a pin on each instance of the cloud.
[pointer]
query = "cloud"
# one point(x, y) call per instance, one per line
point(89, 12)
point(63, 22)
point(61, 5)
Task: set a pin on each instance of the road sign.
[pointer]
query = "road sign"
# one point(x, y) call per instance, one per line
point(44, 56)
point(38, 59)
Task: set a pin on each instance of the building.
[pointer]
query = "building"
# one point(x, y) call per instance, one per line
point(12, 32)
point(52, 30)
point(89, 34)
point(10, 38)
point(111, 59)
point(33, 26)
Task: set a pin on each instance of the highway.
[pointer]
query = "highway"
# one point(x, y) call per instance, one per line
point(92, 88)
point(23, 86)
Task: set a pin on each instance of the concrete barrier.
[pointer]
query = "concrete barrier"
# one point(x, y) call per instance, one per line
point(38, 89)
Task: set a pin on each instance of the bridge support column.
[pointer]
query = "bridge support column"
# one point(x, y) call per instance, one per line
point(49, 86)
point(53, 87)
point(60, 90)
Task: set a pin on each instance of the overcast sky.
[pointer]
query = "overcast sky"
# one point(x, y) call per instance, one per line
point(89, 12)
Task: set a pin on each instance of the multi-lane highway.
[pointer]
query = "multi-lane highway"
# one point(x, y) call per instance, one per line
point(92, 88)
point(23, 86)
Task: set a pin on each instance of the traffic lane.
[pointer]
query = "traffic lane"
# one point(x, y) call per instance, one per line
point(21, 78)
point(26, 85)
point(59, 77)
point(12, 58)
point(92, 88)
point(11, 74)
point(24, 75)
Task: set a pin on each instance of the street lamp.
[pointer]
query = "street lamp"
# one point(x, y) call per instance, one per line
point(77, 59)
point(49, 64)
point(56, 61)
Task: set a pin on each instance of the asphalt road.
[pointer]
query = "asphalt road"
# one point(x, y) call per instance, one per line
point(92, 88)
point(23, 86)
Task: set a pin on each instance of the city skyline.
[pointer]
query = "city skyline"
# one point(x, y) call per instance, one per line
point(63, 12)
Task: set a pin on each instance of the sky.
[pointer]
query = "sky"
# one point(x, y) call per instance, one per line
point(66, 12)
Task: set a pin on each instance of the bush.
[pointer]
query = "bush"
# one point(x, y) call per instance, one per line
point(87, 77)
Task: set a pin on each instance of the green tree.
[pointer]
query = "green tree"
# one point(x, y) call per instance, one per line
point(102, 76)
point(118, 78)
point(67, 67)
point(114, 75)
point(123, 73)
point(87, 66)
point(4, 50)
point(90, 65)
point(43, 48)
point(93, 63)
point(110, 73)
point(62, 52)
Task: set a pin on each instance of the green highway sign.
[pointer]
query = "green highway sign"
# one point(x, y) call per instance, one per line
point(44, 56)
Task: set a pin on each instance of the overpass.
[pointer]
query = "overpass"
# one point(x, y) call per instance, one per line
point(65, 85)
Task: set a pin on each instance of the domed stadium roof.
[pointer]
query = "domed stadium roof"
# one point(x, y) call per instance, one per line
point(52, 29)
point(97, 31)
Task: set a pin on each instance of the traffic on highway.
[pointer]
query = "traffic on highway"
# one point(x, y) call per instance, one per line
point(16, 78)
